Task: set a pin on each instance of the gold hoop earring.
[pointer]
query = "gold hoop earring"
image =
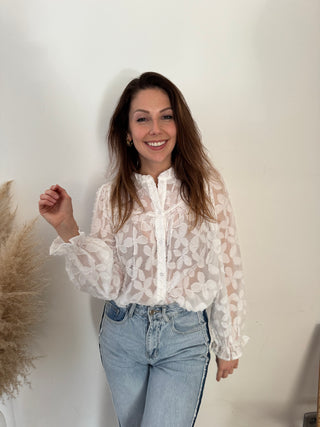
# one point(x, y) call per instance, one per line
point(129, 142)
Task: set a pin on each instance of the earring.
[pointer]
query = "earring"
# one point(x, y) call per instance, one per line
point(129, 142)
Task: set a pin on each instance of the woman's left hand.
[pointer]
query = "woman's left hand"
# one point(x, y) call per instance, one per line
point(225, 367)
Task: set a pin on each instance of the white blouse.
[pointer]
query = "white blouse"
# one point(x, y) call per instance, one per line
point(156, 258)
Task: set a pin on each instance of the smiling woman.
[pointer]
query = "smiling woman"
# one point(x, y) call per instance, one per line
point(153, 130)
point(163, 253)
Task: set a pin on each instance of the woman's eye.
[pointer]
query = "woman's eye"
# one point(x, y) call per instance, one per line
point(168, 117)
point(141, 119)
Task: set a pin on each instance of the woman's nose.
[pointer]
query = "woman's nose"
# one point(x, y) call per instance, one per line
point(155, 127)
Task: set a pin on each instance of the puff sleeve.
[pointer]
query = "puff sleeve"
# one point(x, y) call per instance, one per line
point(90, 258)
point(227, 312)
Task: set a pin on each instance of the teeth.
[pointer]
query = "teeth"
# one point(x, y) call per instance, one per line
point(156, 144)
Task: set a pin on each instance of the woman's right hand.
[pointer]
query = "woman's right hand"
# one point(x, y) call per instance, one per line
point(56, 208)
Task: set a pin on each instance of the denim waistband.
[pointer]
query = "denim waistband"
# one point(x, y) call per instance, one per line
point(152, 310)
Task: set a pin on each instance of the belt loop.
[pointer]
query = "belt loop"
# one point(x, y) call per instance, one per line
point(164, 314)
point(131, 310)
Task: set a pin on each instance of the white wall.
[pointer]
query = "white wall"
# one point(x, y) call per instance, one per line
point(250, 72)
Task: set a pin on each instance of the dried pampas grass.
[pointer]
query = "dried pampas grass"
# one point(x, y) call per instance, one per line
point(6, 216)
point(21, 289)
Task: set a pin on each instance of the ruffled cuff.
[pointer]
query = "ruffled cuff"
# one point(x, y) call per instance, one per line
point(60, 247)
point(230, 349)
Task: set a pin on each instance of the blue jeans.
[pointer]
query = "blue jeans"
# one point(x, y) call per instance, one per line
point(156, 361)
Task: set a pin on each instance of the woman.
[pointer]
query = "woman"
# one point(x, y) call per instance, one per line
point(163, 253)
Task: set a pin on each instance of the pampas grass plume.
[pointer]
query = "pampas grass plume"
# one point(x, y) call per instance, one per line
point(21, 290)
point(6, 216)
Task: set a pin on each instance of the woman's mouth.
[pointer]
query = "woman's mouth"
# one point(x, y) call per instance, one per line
point(156, 144)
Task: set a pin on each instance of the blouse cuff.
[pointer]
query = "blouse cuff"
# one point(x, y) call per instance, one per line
point(230, 349)
point(60, 247)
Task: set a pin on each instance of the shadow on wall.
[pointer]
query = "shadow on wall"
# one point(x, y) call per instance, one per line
point(304, 395)
point(110, 99)
point(108, 104)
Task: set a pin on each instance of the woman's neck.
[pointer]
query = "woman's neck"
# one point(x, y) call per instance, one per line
point(154, 171)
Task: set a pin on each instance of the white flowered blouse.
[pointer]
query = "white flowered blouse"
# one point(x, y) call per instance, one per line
point(157, 258)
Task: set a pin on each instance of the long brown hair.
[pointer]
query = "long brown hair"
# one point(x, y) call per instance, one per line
point(189, 159)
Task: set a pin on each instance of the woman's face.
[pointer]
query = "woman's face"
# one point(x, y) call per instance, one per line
point(152, 129)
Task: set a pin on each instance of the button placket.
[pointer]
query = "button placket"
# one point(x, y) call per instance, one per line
point(156, 194)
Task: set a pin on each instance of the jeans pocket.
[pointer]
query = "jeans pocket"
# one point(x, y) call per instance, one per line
point(187, 322)
point(115, 314)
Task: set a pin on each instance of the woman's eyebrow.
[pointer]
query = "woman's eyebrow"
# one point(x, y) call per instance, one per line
point(146, 111)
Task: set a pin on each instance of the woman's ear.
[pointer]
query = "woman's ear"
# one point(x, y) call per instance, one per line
point(129, 137)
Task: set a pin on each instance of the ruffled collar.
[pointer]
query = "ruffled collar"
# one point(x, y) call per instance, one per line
point(165, 175)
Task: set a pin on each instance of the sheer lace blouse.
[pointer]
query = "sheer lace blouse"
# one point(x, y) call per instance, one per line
point(157, 258)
